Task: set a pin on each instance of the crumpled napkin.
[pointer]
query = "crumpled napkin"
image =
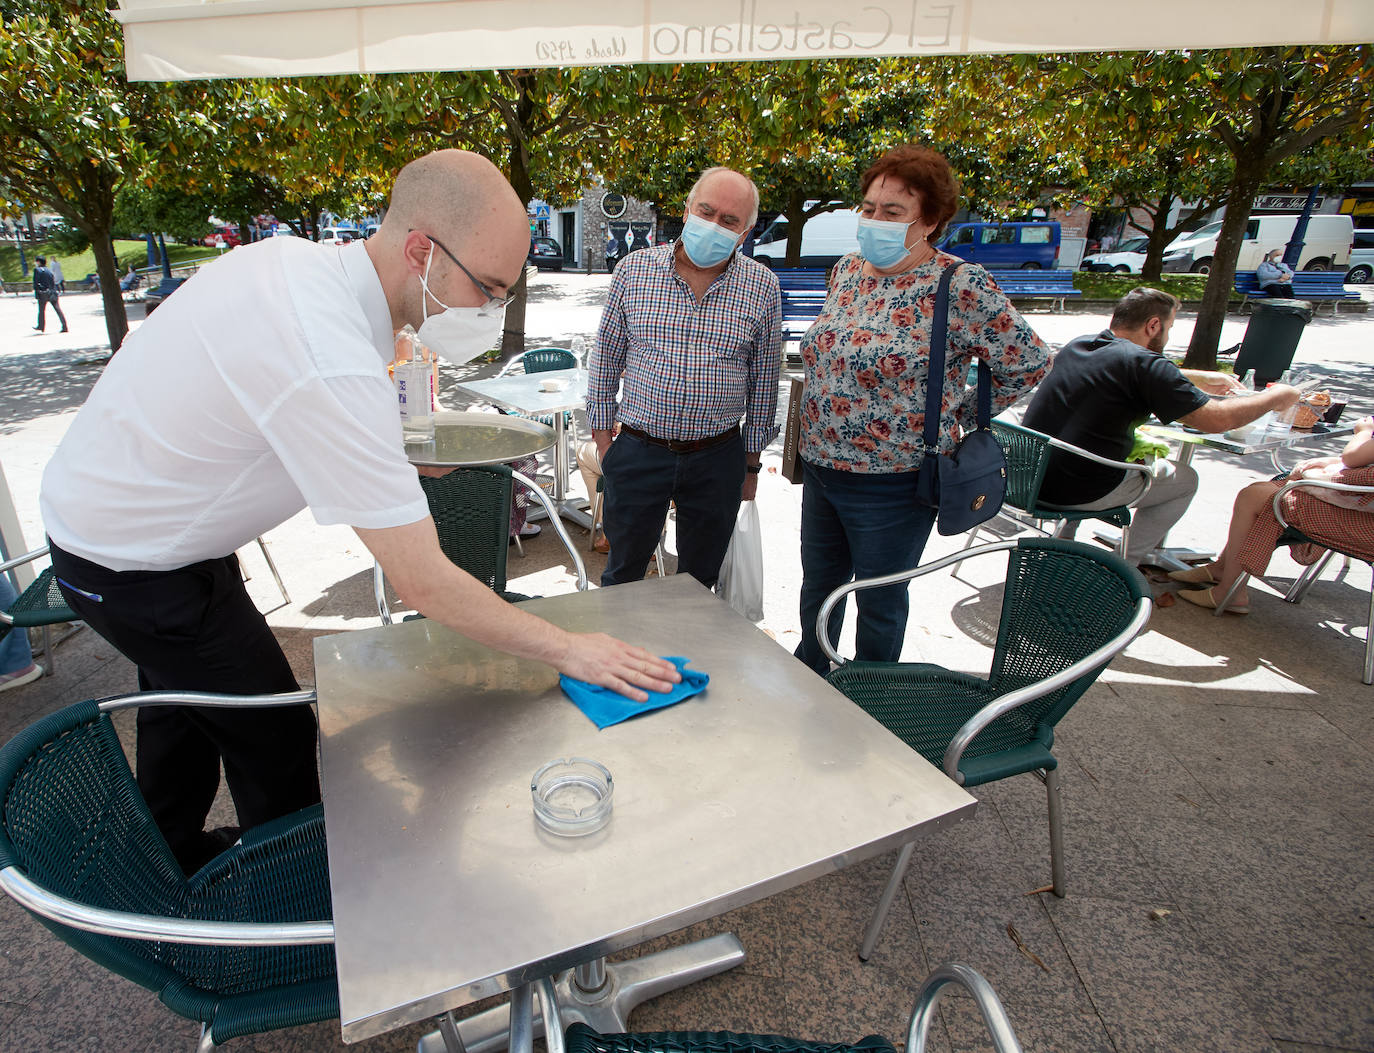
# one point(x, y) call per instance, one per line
point(603, 707)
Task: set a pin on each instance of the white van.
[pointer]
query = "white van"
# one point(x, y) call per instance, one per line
point(1326, 245)
point(825, 238)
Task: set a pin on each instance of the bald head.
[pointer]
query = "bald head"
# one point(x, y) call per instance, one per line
point(736, 188)
point(461, 201)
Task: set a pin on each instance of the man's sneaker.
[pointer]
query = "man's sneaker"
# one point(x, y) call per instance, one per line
point(20, 677)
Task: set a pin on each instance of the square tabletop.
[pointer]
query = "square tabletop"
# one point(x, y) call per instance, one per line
point(446, 889)
point(521, 391)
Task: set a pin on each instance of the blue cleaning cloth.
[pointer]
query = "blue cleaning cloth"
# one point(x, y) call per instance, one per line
point(604, 707)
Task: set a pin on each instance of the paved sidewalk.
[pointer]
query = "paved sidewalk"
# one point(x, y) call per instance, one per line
point(1218, 784)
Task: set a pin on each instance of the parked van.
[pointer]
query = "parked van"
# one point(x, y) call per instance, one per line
point(1028, 246)
point(826, 237)
point(1361, 258)
point(1326, 245)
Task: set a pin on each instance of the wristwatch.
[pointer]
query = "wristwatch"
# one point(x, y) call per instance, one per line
point(753, 469)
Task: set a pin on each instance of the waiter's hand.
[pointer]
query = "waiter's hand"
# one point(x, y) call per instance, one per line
point(624, 668)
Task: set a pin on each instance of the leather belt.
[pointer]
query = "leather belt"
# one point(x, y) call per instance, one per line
point(682, 445)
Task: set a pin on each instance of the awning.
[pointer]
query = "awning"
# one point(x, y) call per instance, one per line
point(177, 40)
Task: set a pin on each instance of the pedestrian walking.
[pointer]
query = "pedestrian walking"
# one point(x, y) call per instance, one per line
point(45, 292)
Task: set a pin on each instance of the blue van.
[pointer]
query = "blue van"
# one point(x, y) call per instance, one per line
point(1028, 246)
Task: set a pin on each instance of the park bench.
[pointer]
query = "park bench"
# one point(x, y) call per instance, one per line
point(164, 289)
point(1318, 287)
point(803, 295)
point(1036, 284)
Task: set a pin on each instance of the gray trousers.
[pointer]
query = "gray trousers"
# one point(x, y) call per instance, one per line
point(1169, 497)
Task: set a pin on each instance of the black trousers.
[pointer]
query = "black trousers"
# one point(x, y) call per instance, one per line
point(196, 629)
point(642, 478)
point(43, 303)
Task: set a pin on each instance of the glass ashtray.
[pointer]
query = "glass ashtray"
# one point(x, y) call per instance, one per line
point(572, 796)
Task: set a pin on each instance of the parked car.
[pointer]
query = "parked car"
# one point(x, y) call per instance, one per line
point(546, 254)
point(1326, 245)
point(1127, 258)
point(1030, 246)
point(228, 234)
point(826, 238)
point(1361, 258)
point(338, 236)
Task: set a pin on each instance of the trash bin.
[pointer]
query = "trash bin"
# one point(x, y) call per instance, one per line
point(1271, 339)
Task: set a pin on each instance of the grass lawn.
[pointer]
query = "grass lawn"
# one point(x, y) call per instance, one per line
point(1098, 285)
point(75, 268)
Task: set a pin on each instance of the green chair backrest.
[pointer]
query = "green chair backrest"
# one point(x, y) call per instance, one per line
point(1028, 455)
point(543, 359)
point(42, 603)
point(471, 510)
point(1062, 600)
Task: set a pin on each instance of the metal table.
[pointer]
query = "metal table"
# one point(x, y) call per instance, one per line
point(467, 440)
point(445, 888)
point(521, 393)
point(1259, 440)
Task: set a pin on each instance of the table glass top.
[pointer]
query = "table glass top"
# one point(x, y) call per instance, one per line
point(469, 439)
point(523, 392)
point(446, 889)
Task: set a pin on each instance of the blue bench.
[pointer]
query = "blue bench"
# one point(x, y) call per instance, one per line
point(1033, 284)
point(1316, 286)
point(164, 289)
point(803, 296)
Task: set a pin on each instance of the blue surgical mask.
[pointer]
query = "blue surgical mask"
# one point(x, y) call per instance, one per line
point(882, 243)
point(707, 243)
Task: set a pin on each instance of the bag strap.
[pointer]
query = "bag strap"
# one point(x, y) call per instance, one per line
point(935, 374)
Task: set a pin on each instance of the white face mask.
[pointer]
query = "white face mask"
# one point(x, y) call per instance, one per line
point(459, 334)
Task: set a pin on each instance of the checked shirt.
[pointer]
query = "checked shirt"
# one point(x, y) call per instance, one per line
point(691, 369)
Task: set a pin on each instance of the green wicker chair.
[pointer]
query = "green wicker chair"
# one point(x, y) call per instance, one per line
point(243, 946)
point(40, 606)
point(1067, 610)
point(545, 360)
point(1028, 455)
point(580, 1038)
point(471, 511)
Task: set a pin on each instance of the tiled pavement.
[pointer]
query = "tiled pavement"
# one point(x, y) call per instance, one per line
point(1217, 783)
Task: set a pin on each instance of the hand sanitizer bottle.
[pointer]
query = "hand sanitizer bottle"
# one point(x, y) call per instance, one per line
point(414, 388)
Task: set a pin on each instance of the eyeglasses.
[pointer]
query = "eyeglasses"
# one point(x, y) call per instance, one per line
point(494, 302)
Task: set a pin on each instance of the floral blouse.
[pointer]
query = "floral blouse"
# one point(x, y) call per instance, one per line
point(867, 354)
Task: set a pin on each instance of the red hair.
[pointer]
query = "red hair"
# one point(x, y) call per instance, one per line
point(924, 172)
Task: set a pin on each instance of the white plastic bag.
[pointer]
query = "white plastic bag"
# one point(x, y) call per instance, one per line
point(741, 572)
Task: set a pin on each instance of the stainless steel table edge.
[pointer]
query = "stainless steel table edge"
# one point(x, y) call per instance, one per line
point(440, 1003)
point(431, 454)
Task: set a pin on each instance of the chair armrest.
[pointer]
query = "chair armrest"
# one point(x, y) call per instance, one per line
point(379, 592)
point(154, 928)
point(204, 698)
point(823, 618)
point(954, 752)
point(1316, 484)
point(1126, 466)
point(989, 1005)
point(557, 523)
point(27, 557)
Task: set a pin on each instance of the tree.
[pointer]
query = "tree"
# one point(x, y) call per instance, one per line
point(73, 129)
point(1270, 105)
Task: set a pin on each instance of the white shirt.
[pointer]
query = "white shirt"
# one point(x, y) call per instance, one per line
point(258, 388)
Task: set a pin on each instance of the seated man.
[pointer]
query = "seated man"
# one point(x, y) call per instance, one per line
point(1102, 386)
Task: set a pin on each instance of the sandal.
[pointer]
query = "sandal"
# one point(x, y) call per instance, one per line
point(1199, 575)
point(1204, 598)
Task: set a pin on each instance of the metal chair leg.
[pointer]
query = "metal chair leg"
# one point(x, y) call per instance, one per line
point(1298, 590)
point(1124, 545)
point(1226, 600)
point(272, 566)
point(1051, 779)
point(1369, 642)
point(206, 1043)
point(984, 997)
point(875, 923)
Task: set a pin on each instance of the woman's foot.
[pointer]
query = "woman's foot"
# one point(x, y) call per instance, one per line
point(1209, 599)
point(1199, 575)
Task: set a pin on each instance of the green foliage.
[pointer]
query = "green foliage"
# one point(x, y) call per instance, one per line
point(1098, 285)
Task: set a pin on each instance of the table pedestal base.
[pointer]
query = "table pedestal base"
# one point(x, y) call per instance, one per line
point(626, 984)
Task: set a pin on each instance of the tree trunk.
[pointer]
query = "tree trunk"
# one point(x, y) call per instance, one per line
point(116, 319)
point(1160, 236)
point(796, 222)
point(513, 335)
point(1211, 314)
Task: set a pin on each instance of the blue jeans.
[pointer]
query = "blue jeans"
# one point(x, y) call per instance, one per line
point(14, 645)
point(856, 525)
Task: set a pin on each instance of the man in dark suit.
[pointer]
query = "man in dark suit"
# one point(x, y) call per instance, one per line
point(45, 292)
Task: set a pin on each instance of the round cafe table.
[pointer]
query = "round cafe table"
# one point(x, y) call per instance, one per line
point(464, 439)
point(467, 440)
